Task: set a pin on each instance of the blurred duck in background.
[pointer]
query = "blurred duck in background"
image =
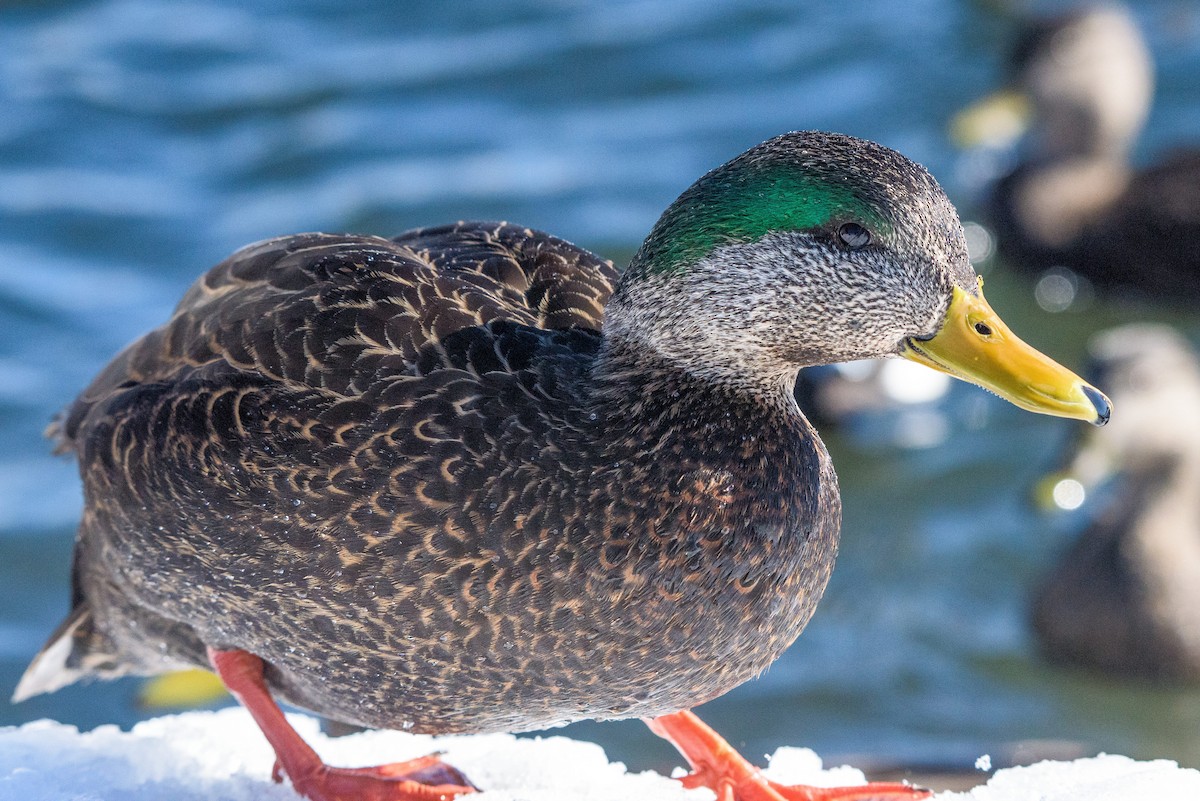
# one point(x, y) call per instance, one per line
point(1125, 599)
point(1082, 84)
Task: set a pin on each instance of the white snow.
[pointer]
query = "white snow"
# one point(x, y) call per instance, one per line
point(220, 756)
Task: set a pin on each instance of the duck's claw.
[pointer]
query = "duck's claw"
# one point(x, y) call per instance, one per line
point(426, 770)
point(393, 782)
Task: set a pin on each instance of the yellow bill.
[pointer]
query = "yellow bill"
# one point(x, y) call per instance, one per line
point(975, 345)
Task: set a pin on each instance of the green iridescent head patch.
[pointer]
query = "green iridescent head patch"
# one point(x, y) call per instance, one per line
point(796, 182)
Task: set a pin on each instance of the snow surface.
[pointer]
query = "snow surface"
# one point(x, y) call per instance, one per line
point(220, 756)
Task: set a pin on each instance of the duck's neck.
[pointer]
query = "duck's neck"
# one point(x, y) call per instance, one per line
point(659, 419)
point(636, 381)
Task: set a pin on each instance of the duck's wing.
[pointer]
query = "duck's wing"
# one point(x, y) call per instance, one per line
point(340, 314)
point(293, 370)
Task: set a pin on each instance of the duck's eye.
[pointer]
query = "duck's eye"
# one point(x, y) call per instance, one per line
point(854, 236)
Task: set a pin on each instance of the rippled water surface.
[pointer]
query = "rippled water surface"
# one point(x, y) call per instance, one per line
point(141, 141)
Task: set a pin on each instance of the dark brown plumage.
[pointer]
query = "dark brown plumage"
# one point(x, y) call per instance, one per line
point(345, 455)
point(411, 483)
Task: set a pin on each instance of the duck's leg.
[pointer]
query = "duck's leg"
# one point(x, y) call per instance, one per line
point(424, 779)
point(717, 766)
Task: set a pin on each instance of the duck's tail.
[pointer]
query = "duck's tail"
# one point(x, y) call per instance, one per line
point(76, 650)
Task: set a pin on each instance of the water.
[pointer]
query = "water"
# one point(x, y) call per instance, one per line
point(141, 141)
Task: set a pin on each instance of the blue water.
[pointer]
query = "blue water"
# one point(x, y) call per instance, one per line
point(143, 140)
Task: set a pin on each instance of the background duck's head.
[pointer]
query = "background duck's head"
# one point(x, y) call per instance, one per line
point(1090, 81)
point(1154, 373)
point(1082, 81)
point(814, 248)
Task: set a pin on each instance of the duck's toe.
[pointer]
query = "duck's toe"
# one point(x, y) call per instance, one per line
point(424, 779)
point(717, 766)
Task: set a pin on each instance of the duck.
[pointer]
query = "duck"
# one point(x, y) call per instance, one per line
point(471, 479)
point(1082, 83)
point(1123, 600)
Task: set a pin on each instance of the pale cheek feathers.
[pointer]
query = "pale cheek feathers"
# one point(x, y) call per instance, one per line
point(783, 301)
point(849, 305)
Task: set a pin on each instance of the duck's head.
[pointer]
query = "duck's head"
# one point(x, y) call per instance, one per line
point(1083, 81)
point(814, 248)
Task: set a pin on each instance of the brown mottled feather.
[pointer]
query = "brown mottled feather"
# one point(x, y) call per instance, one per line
point(386, 467)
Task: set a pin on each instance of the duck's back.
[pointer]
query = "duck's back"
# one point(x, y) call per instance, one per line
point(347, 315)
point(334, 326)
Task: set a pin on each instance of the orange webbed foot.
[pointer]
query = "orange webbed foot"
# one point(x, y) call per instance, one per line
point(717, 766)
point(427, 778)
point(424, 779)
